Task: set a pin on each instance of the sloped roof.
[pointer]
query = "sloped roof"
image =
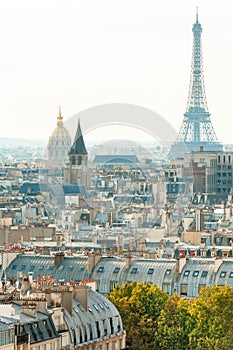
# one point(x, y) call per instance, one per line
point(99, 309)
point(73, 189)
point(78, 146)
point(114, 158)
point(73, 268)
point(33, 188)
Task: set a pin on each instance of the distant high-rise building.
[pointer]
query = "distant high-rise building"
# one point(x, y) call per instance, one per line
point(196, 130)
point(59, 142)
point(76, 171)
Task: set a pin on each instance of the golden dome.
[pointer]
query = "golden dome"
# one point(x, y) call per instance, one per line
point(60, 131)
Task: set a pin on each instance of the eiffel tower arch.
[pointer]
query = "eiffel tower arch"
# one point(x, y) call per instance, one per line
point(196, 129)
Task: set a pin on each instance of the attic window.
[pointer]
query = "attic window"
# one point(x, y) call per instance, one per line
point(81, 307)
point(14, 267)
point(204, 274)
point(32, 268)
point(61, 268)
point(195, 273)
point(96, 307)
point(116, 270)
point(186, 273)
point(150, 271)
point(231, 274)
point(71, 267)
point(90, 309)
point(101, 306)
point(134, 271)
point(168, 272)
point(223, 274)
point(100, 269)
point(41, 268)
point(23, 267)
point(106, 304)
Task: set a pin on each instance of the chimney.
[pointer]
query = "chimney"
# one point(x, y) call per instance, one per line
point(41, 305)
point(81, 295)
point(181, 262)
point(199, 217)
point(67, 299)
point(217, 264)
point(29, 308)
point(129, 260)
point(59, 257)
point(93, 259)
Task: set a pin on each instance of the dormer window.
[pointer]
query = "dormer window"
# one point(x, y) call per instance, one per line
point(223, 274)
point(100, 269)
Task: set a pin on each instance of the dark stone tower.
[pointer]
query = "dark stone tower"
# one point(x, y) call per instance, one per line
point(76, 171)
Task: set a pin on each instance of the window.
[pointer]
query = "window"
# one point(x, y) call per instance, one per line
point(186, 273)
point(96, 307)
point(150, 271)
point(41, 268)
point(106, 304)
point(204, 274)
point(231, 274)
point(112, 285)
point(116, 270)
point(134, 271)
point(195, 273)
point(183, 289)
point(166, 287)
point(100, 269)
point(223, 274)
point(168, 272)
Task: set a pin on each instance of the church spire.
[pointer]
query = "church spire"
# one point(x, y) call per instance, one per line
point(78, 146)
point(59, 118)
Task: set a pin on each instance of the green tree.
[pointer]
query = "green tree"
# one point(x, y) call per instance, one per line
point(213, 314)
point(140, 306)
point(174, 325)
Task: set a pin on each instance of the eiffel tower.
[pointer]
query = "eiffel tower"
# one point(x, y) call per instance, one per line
point(196, 131)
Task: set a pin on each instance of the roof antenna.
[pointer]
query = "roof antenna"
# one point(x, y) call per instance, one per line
point(197, 15)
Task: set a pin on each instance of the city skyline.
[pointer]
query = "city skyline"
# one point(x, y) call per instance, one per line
point(79, 55)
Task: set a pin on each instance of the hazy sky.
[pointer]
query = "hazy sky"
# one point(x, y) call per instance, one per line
point(82, 53)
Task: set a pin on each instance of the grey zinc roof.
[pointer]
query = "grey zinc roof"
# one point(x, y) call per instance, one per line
point(224, 274)
point(71, 268)
point(160, 267)
point(83, 324)
point(194, 274)
point(138, 271)
point(40, 327)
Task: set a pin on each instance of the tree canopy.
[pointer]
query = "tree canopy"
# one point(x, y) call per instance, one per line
point(152, 320)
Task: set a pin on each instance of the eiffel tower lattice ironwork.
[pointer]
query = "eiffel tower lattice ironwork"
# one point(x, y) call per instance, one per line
point(196, 129)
